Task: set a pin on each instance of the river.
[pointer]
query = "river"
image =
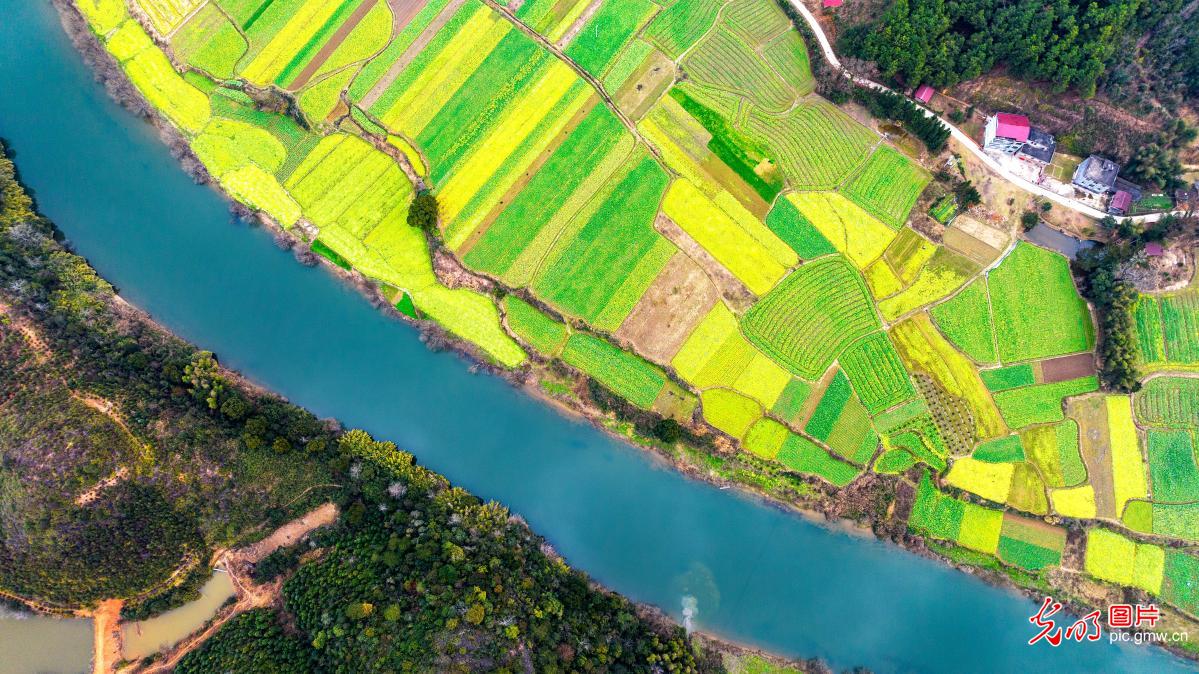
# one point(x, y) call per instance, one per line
point(756, 574)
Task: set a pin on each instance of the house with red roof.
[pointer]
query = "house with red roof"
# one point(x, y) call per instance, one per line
point(1154, 250)
point(924, 94)
point(832, 4)
point(1120, 203)
point(1011, 134)
point(1006, 133)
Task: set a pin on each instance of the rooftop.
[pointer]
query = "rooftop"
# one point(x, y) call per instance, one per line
point(1012, 126)
point(1098, 170)
point(1154, 249)
point(924, 93)
point(1121, 201)
point(832, 3)
point(1040, 146)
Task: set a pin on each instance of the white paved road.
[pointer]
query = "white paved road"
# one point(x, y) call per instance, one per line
point(961, 136)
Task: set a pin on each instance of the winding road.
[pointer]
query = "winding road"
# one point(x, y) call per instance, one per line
point(961, 136)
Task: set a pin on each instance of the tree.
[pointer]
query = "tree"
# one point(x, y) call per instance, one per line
point(204, 376)
point(1155, 165)
point(1029, 220)
point(423, 212)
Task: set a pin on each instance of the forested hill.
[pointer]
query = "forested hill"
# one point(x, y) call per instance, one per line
point(1077, 44)
point(127, 456)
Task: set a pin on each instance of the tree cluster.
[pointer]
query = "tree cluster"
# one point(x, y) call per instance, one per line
point(943, 42)
point(887, 105)
point(178, 416)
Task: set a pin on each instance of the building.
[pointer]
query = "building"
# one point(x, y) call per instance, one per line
point(1012, 135)
point(832, 4)
point(1120, 204)
point(1039, 148)
point(1006, 133)
point(1154, 249)
point(924, 94)
point(1096, 175)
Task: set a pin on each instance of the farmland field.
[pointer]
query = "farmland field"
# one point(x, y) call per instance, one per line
point(888, 186)
point(1171, 402)
point(1028, 277)
point(966, 321)
point(702, 236)
point(812, 316)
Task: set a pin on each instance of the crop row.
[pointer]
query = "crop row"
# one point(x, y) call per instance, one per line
point(888, 186)
point(818, 144)
point(1169, 401)
point(877, 374)
point(624, 373)
point(724, 61)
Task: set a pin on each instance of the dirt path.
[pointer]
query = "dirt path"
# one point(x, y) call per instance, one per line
point(331, 45)
point(411, 52)
point(238, 564)
point(40, 349)
point(106, 621)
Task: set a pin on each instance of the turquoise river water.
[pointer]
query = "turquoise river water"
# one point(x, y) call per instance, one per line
point(754, 573)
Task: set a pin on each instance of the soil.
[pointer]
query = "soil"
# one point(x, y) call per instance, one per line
point(670, 308)
point(731, 289)
point(1068, 367)
point(1095, 445)
point(106, 649)
point(343, 31)
point(410, 53)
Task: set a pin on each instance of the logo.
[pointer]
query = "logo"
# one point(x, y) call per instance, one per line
point(1139, 621)
point(1086, 627)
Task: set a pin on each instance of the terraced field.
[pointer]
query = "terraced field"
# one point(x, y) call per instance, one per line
point(650, 194)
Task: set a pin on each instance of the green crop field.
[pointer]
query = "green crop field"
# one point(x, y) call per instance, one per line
point(1177, 520)
point(888, 186)
point(1169, 401)
point(1041, 403)
point(1010, 377)
point(812, 316)
point(1150, 340)
point(791, 226)
point(1175, 477)
point(1003, 450)
point(1167, 328)
point(723, 60)
point(966, 321)
point(802, 455)
point(838, 393)
point(1179, 586)
point(1032, 277)
point(1030, 544)
point(877, 373)
point(534, 326)
point(623, 373)
point(934, 513)
point(609, 247)
point(817, 144)
point(681, 25)
point(602, 38)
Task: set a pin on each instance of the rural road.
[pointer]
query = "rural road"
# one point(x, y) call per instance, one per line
point(961, 136)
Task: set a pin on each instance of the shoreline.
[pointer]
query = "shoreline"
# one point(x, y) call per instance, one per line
point(820, 510)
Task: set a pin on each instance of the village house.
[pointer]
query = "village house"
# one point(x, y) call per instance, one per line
point(1120, 204)
point(1097, 175)
point(924, 94)
point(1014, 136)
